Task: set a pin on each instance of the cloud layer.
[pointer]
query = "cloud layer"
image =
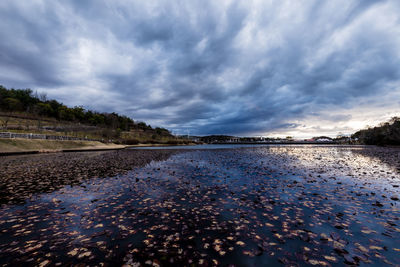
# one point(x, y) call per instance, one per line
point(211, 67)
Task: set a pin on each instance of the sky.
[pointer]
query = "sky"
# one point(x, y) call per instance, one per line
point(262, 68)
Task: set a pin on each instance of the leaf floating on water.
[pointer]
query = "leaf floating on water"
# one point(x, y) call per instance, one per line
point(367, 232)
point(217, 241)
point(240, 243)
point(324, 237)
point(73, 252)
point(56, 201)
point(217, 248)
point(375, 248)
point(29, 249)
point(248, 253)
point(122, 227)
point(317, 262)
point(330, 258)
point(84, 254)
point(44, 263)
point(362, 248)
point(278, 236)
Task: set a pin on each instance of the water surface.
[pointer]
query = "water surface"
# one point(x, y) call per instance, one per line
point(248, 206)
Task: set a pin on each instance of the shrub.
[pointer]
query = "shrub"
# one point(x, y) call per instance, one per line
point(173, 142)
point(130, 142)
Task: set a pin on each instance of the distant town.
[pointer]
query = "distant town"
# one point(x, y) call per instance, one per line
point(226, 139)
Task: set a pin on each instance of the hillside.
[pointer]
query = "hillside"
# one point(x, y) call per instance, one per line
point(21, 110)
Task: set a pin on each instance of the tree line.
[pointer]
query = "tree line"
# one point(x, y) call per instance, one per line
point(25, 100)
point(387, 133)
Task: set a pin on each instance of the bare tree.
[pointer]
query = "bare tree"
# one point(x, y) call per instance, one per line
point(4, 122)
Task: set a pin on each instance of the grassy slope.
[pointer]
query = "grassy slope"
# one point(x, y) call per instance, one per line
point(16, 145)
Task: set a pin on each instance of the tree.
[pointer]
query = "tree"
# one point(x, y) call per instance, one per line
point(78, 113)
point(12, 104)
point(385, 134)
point(66, 114)
point(45, 109)
point(56, 106)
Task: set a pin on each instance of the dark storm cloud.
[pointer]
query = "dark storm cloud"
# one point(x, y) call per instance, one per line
point(206, 66)
point(25, 45)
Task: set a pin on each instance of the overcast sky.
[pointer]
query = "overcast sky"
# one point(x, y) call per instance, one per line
point(300, 68)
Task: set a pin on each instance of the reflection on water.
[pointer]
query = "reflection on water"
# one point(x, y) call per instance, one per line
point(272, 205)
point(381, 153)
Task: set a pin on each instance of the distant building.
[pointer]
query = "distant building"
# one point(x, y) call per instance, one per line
point(322, 139)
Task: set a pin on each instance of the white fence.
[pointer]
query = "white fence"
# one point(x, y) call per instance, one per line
point(41, 136)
